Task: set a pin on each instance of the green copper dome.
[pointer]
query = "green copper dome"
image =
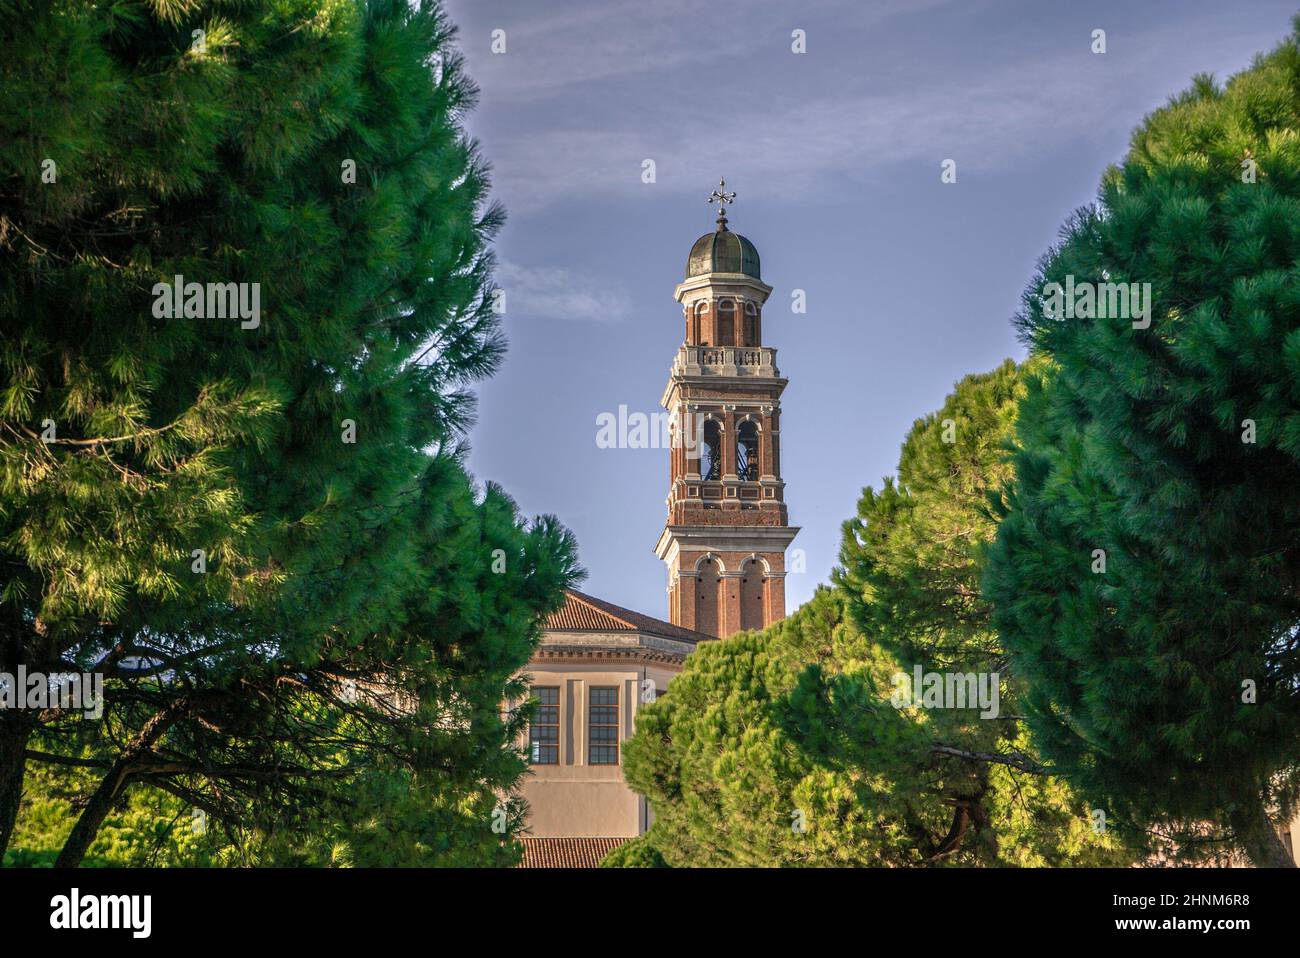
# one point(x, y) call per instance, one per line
point(722, 251)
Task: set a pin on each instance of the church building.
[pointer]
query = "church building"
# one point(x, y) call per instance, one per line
point(723, 546)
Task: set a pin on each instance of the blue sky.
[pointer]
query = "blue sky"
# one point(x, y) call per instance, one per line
point(836, 155)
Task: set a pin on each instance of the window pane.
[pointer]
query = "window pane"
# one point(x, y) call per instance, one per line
point(546, 755)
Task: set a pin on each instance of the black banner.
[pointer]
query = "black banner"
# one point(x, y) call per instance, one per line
point(943, 907)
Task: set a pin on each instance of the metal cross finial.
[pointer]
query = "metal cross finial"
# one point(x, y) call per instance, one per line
point(722, 198)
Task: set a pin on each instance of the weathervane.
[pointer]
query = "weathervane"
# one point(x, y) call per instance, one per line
point(722, 198)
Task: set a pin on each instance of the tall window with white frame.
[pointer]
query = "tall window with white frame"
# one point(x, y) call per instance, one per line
point(544, 732)
point(602, 726)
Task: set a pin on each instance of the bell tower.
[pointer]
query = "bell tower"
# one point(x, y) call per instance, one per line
point(727, 531)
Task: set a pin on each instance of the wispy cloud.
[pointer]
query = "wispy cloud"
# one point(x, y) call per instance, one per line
point(549, 292)
point(983, 125)
point(556, 45)
point(586, 95)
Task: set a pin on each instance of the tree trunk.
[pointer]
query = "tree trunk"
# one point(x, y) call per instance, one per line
point(13, 742)
point(93, 815)
point(110, 787)
point(1256, 834)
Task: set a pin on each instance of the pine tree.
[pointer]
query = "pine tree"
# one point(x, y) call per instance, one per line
point(1145, 577)
point(256, 526)
point(794, 746)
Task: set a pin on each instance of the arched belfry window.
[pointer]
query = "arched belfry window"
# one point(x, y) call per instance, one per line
point(711, 451)
point(751, 325)
point(708, 596)
point(726, 323)
point(695, 331)
point(747, 450)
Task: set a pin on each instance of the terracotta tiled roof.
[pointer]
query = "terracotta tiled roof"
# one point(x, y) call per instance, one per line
point(584, 613)
point(567, 852)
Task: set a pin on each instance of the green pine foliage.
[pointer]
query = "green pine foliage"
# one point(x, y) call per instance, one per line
point(788, 747)
point(637, 853)
point(312, 147)
point(1167, 687)
point(912, 560)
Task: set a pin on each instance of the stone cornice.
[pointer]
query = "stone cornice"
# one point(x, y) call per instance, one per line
point(615, 642)
point(587, 654)
point(724, 539)
point(712, 285)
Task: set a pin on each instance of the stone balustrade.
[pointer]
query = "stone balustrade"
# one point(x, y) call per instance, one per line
point(747, 361)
